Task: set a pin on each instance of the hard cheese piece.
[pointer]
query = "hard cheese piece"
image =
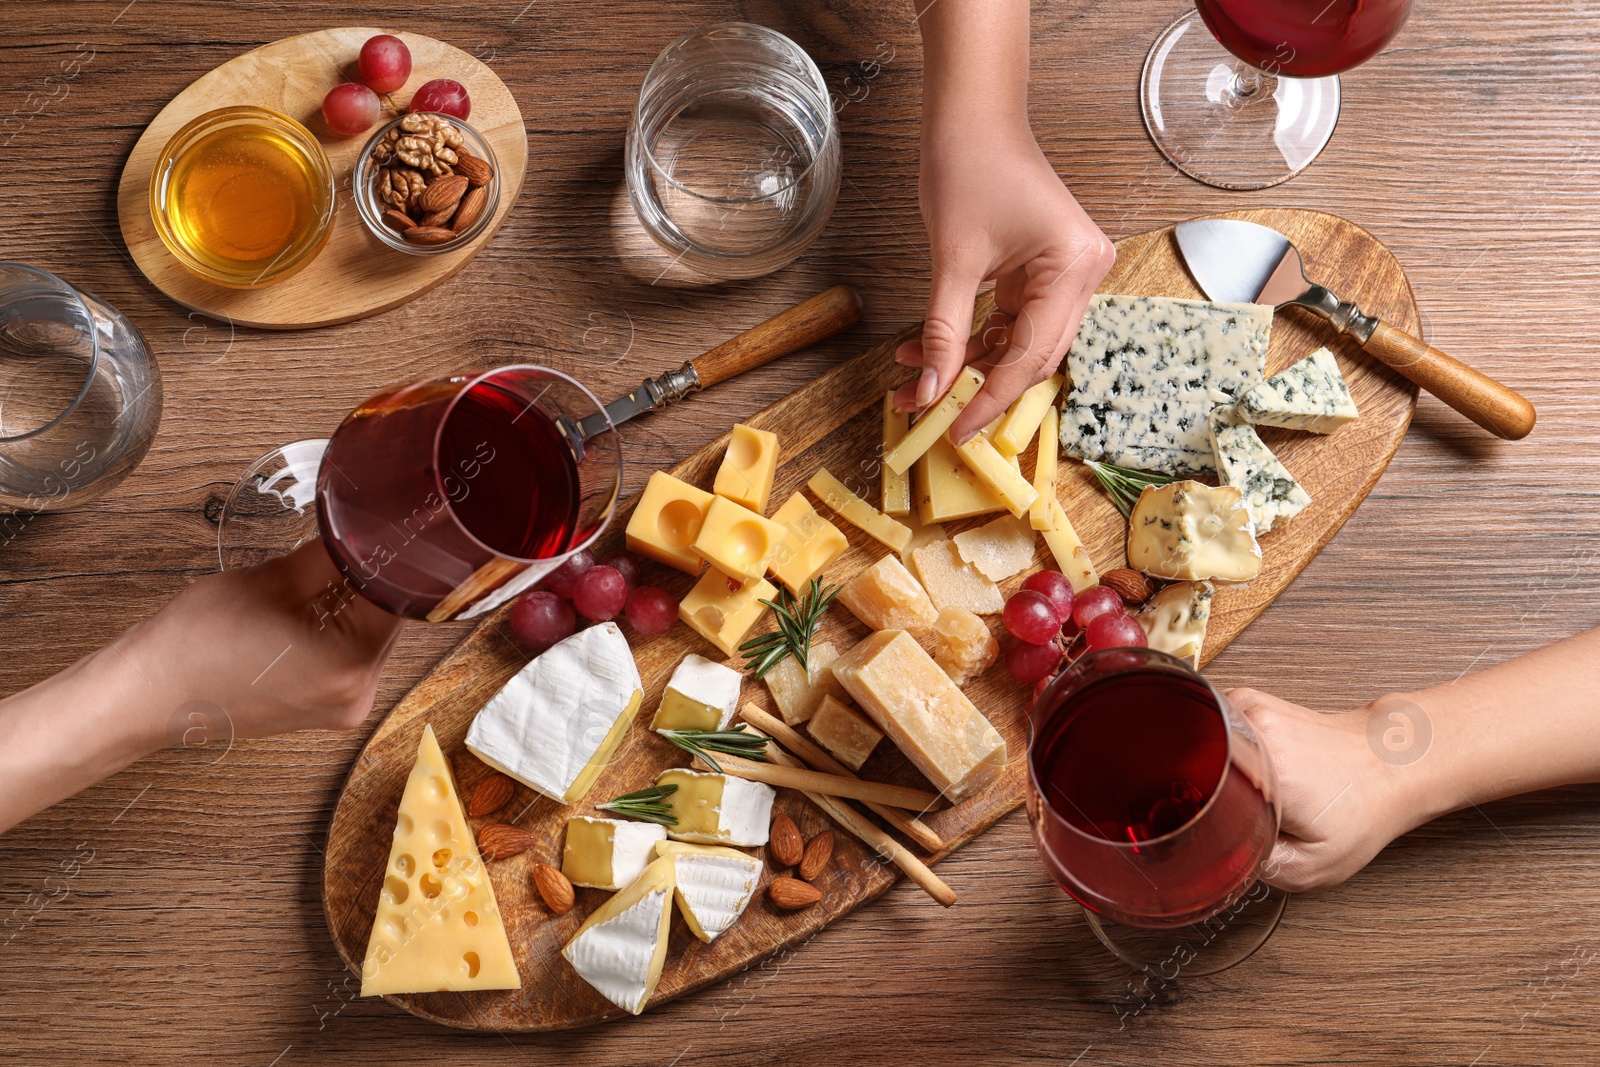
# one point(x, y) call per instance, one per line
point(1146, 371)
point(1188, 531)
point(934, 422)
point(666, 521)
point(1040, 516)
point(922, 535)
point(437, 925)
point(554, 725)
point(848, 736)
point(1026, 415)
point(1247, 464)
point(607, 853)
point(963, 647)
point(923, 712)
point(1310, 395)
point(737, 541)
point(701, 695)
point(886, 597)
point(751, 460)
point(723, 610)
point(619, 949)
point(1175, 619)
point(797, 691)
point(952, 582)
point(714, 885)
point(946, 488)
point(998, 549)
point(1067, 547)
point(718, 809)
point(810, 546)
point(896, 485)
point(858, 512)
point(1000, 474)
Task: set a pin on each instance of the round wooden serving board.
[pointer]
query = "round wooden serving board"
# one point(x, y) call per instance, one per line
point(835, 422)
point(355, 275)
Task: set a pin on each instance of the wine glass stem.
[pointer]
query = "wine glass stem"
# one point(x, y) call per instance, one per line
point(1247, 85)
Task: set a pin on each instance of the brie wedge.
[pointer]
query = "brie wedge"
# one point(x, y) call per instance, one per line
point(608, 853)
point(620, 948)
point(715, 885)
point(701, 695)
point(718, 809)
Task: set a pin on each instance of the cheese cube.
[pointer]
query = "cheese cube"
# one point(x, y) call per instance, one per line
point(1025, 417)
point(998, 549)
point(810, 546)
point(934, 422)
point(1246, 463)
point(886, 597)
point(745, 476)
point(1072, 558)
point(963, 647)
point(952, 582)
point(896, 486)
point(1189, 531)
point(715, 885)
point(701, 695)
point(1310, 395)
point(858, 512)
point(666, 522)
point(1175, 619)
point(555, 724)
point(946, 488)
point(797, 691)
point(922, 711)
point(737, 541)
point(619, 949)
point(718, 809)
point(724, 610)
point(1002, 475)
point(1044, 470)
point(848, 736)
point(608, 853)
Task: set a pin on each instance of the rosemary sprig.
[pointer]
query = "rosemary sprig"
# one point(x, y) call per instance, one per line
point(1123, 485)
point(797, 624)
point(647, 804)
point(734, 742)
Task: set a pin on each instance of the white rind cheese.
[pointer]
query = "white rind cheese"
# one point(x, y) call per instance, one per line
point(632, 848)
point(1310, 395)
point(1187, 531)
point(715, 885)
point(1247, 464)
point(741, 813)
point(619, 949)
point(699, 688)
point(1147, 371)
point(1175, 619)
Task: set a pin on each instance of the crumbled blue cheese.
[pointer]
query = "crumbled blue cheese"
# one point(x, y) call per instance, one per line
point(1146, 373)
point(1186, 531)
point(1175, 619)
point(1311, 395)
point(1247, 464)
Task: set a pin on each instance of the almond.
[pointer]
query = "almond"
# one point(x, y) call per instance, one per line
point(499, 840)
point(785, 844)
point(475, 170)
point(1130, 585)
point(429, 235)
point(443, 193)
point(491, 795)
point(819, 850)
point(791, 894)
point(398, 220)
point(440, 219)
point(471, 207)
point(554, 887)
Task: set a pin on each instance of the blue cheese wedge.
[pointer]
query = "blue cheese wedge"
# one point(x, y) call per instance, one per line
point(1175, 619)
point(1186, 531)
point(1147, 371)
point(1247, 464)
point(715, 885)
point(1311, 395)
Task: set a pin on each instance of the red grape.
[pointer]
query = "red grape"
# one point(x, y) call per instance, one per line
point(351, 108)
point(443, 95)
point(599, 593)
point(652, 610)
point(1028, 662)
point(1092, 603)
point(1056, 589)
point(1114, 630)
point(1041, 685)
point(1030, 617)
point(625, 564)
point(540, 619)
point(385, 63)
point(559, 581)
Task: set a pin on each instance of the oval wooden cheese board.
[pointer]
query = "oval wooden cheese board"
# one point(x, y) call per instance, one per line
point(835, 422)
point(355, 275)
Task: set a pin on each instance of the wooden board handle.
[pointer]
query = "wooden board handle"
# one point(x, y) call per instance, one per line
point(804, 324)
point(1498, 408)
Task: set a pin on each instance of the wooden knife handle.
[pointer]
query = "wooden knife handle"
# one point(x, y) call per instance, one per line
point(804, 324)
point(1498, 408)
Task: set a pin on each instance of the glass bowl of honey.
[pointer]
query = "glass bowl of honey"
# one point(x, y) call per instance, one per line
point(399, 219)
point(243, 196)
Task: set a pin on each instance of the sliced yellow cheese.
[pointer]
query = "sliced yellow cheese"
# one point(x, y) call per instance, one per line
point(1067, 548)
point(748, 466)
point(666, 521)
point(1040, 516)
point(946, 488)
point(851, 508)
point(619, 949)
point(934, 422)
point(810, 546)
point(1026, 415)
point(737, 541)
point(437, 926)
point(896, 484)
point(1002, 475)
point(723, 609)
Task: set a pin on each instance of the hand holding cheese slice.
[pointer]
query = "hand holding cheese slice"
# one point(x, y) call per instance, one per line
point(1188, 531)
point(619, 949)
point(714, 885)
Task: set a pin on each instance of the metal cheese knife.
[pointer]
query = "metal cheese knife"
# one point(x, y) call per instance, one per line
point(1233, 260)
point(804, 324)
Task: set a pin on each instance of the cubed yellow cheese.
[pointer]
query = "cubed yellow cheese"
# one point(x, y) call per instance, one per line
point(952, 582)
point(1067, 548)
point(666, 522)
point(885, 596)
point(723, 610)
point(934, 422)
point(923, 712)
point(1023, 420)
point(844, 733)
point(946, 488)
point(810, 545)
point(832, 492)
point(962, 645)
point(737, 541)
point(798, 691)
point(1044, 469)
point(1001, 474)
point(896, 484)
point(745, 476)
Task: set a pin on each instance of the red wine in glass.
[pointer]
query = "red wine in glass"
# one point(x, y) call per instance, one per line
point(1304, 38)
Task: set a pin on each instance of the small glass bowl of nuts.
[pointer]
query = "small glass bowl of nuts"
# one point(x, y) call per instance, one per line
point(426, 183)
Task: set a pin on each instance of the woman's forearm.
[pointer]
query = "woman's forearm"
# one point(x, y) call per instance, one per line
point(975, 63)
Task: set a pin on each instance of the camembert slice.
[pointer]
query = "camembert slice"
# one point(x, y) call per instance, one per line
point(701, 695)
point(619, 949)
point(608, 853)
point(718, 809)
point(1187, 531)
point(714, 885)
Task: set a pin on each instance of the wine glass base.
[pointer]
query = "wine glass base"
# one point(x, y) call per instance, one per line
point(271, 510)
point(1227, 938)
point(1225, 123)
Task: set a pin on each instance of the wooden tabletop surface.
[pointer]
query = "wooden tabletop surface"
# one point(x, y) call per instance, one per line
point(191, 929)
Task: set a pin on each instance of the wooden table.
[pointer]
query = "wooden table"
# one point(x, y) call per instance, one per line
point(194, 933)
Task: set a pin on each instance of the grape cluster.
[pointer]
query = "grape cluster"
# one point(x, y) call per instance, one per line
point(1045, 615)
point(385, 66)
point(598, 591)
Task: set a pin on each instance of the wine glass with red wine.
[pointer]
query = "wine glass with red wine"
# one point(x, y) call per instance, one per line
point(1155, 806)
point(1243, 94)
point(441, 499)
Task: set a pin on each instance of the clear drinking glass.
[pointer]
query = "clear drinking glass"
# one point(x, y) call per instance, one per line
point(80, 394)
point(733, 152)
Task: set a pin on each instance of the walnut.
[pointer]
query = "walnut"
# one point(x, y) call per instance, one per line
point(399, 187)
point(383, 151)
point(428, 143)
